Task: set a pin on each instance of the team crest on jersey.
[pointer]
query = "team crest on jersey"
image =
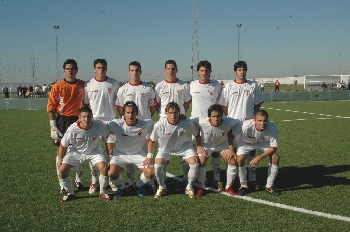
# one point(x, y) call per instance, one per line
point(109, 89)
point(93, 138)
point(80, 89)
point(139, 133)
point(181, 131)
point(179, 91)
point(211, 92)
point(223, 133)
point(246, 92)
point(142, 95)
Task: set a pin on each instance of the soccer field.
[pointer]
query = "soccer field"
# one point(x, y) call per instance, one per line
point(314, 177)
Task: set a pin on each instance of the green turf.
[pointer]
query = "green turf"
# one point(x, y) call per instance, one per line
point(314, 174)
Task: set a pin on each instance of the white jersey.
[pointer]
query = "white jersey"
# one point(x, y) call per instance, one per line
point(84, 141)
point(213, 136)
point(178, 92)
point(143, 96)
point(130, 139)
point(172, 138)
point(203, 96)
point(101, 96)
point(240, 99)
point(249, 134)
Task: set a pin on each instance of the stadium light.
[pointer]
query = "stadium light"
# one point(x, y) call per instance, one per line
point(57, 53)
point(238, 27)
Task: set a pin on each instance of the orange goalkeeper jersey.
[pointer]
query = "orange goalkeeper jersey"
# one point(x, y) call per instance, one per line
point(66, 98)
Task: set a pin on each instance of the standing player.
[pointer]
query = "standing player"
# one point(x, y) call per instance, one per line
point(260, 134)
point(173, 90)
point(204, 93)
point(65, 100)
point(131, 135)
point(144, 97)
point(174, 138)
point(239, 100)
point(82, 141)
point(100, 95)
point(216, 134)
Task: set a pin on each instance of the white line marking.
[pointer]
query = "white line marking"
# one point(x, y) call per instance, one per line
point(278, 205)
point(323, 118)
point(300, 119)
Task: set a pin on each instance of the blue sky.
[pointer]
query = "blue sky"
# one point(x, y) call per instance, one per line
point(279, 38)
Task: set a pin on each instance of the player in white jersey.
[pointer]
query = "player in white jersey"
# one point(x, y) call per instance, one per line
point(206, 92)
point(82, 142)
point(216, 134)
point(100, 95)
point(129, 148)
point(174, 137)
point(144, 97)
point(239, 100)
point(260, 134)
point(173, 90)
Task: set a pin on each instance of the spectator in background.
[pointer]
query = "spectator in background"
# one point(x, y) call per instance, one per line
point(324, 86)
point(37, 91)
point(19, 91)
point(349, 83)
point(262, 86)
point(44, 90)
point(277, 86)
point(342, 85)
point(6, 92)
point(338, 85)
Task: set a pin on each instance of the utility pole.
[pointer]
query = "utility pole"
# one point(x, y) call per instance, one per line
point(32, 61)
point(57, 54)
point(195, 50)
point(239, 38)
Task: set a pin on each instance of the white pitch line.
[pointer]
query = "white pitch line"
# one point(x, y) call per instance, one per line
point(278, 205)
point(323, 118)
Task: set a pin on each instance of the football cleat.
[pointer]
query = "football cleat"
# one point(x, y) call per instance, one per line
point(255, 185)
point(113, 186)
point(242, 191)
point(93, 188)
point(151, 187)
point(130, 189)
point(200, 192)
point(67, 197)
point(220, 186)
point(190, 193)
point(230, 191)
point(63, 192)
point(118, 193)
point(104, 196)
point(140, 191)
point(79, 185)
point(160, 192)
point(273, 191)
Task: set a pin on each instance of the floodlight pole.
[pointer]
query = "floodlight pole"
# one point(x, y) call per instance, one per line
point(239, 37)
point(57, 54)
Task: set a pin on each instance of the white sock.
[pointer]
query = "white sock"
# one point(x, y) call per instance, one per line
point(103, 183)
point(185, 169)
point(242, 172)
point(230, 175)
point(192, 175)
point(164, 170)
point(201, 176)
point(94, 173)
point(272, 173)
point(215, 162)
point(142, 181)
point(79, 173)
point(119, 182)
point(159, 171)
point(67, 184)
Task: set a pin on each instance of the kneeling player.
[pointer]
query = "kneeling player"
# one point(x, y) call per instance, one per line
point(216, 134)
point(82, 142)
point(260, 134)
point(174, 138)
point(131, 137)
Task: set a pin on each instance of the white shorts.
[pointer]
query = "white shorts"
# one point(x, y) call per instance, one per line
point(185, 152)
point(122, 160)
point(245, 148)
point(220, 149)
point(75, 159)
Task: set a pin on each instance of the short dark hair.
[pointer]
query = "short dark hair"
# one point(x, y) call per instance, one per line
point(240, 64)
point(204, 63)
point(171, 62)
point(132, 104)
point(100, 61)
point(261, 113)
point(85, 109)
point(216, 108)
point(72, 62)
point(135, 63)
point(172, 105)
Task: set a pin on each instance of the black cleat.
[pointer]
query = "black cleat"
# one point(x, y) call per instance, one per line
point(273, 191)
point(255, 185)
point(242, 191)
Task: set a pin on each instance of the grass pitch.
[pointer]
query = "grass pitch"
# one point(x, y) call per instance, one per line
point(314, 175)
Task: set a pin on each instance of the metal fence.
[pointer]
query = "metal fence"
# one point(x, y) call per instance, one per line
point(333, 95)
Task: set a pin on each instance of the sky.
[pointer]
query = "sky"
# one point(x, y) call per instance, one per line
point(278, 38)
